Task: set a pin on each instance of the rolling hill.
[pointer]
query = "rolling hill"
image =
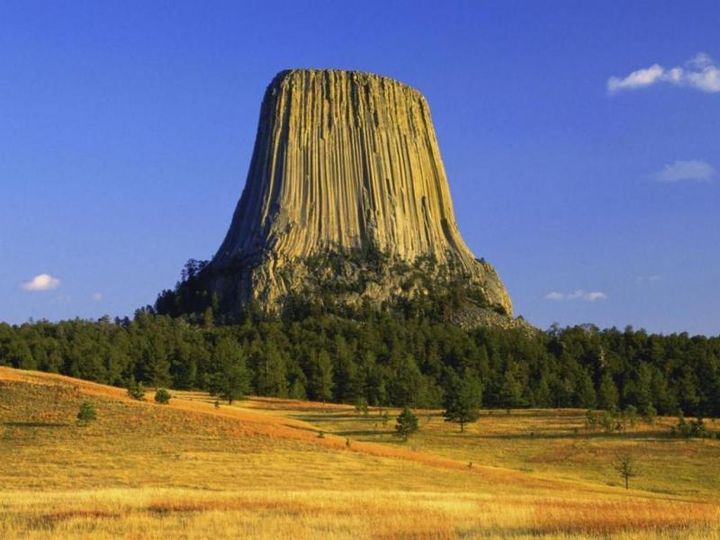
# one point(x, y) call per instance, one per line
point(272, 468)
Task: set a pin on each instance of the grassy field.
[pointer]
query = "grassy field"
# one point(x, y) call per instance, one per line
point(549, 443)
point(259, 469)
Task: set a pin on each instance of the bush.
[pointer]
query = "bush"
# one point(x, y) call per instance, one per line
point(361, 406)
point(693, 429)
point(86, 413)
point(162, 396)
point(591, 420)
point(407, 423)
point(610, 421)
point(136, 391)
point(630, 415)
point(649, 414)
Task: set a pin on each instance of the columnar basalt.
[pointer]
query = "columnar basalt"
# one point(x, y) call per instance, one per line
point(344, 163)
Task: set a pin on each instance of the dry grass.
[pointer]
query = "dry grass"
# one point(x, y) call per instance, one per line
point(157, 513)
point(177, 513)
point(550, 444)
point(188, 470)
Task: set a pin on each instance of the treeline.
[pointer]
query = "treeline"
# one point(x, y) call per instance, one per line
point(385, 359)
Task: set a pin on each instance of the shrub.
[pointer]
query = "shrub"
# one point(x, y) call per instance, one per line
point(591, 420)
point(361, 406)
point(136, 390)
point(649, 414)
point(630, 415)
point(693, 429)
point(610, 421)
point(86, 413)
point(162, 396)
point(407, 423)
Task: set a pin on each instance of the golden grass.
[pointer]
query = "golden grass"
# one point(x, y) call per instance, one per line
point(176, 513)
point(549, 444)
point(258, 469)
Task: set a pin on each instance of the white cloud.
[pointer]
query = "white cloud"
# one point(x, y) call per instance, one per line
point(700, 72)
point(579, 294)
point(592, 296)
point(693, 169)
point(41, 282)
point(648, 279)
point(637, 79)
point(98, 296)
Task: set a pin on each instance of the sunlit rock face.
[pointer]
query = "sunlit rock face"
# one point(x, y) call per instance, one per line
point(346, 167)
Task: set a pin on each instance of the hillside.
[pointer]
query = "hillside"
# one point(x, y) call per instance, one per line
point(259, 469)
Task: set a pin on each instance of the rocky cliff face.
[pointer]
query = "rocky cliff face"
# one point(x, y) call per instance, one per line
point(346, 183)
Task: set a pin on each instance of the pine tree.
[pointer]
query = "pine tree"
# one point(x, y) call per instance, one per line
point(463, 399)
point(510, 391)
point(231, 380)
point(607, 393)
point(271, 371)
point(156, 361)
point(585, 391)
point(405, 388)
point(297, 389)
point(542, 394)
point(344, 372)
point(687, 391)
point(320, 382)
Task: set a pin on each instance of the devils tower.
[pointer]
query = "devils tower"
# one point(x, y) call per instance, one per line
point(346, 198)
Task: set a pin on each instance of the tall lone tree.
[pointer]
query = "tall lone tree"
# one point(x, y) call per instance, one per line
point(321, 377)
point(231, 381)
point(463, 399)
point(626, 467)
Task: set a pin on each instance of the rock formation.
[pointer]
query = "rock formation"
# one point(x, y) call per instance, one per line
point(346, 167)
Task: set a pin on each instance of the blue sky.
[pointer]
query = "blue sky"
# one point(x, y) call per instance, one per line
point(580, 141)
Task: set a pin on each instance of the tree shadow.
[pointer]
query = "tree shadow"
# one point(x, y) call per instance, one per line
point(36, 424)
point(330, 417)
point(363, 433)
point(655, 435)
point(327, 410)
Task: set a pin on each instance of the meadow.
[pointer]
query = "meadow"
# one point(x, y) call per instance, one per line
point(274, 468)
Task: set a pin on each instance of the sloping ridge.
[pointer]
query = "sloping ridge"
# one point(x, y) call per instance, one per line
point(266, 424)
